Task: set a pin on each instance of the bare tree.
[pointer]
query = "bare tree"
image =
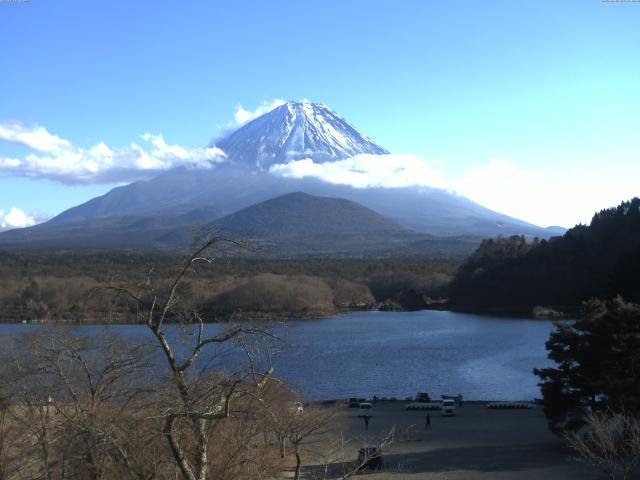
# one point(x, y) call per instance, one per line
point(11, 439)
point(90, 408)
point(302, 426)
point(288, 419)
point(333, 455)
point(332, 452)
point(610, 442)
point(75, 396)
point(240, 451)
point(199, 400)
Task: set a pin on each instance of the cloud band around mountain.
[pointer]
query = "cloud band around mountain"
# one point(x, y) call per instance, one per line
point(368, 170)
point(56, 158)
point(499, 184)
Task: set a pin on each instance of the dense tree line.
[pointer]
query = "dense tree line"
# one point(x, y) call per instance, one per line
point(56, 287)
point(513, 274)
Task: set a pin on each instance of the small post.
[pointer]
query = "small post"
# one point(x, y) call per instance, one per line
point(366, 419)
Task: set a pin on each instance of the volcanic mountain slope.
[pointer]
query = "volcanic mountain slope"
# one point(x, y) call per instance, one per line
point(230, 189)
point(288, 133)
point(302, 225)
point(291, 226)
point(131, 231)
point(296, 131)
point(300, 215)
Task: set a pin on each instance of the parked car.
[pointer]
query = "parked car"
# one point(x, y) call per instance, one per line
point(353, 402)
point(366, 409)
point(448, 407)
point(370, 457)
point(423, 397)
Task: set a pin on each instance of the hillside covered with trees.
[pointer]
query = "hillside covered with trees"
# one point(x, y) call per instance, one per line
point(514, 275)
point(65, 287)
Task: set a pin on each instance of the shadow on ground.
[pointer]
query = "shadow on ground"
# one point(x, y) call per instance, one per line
point(482, 459)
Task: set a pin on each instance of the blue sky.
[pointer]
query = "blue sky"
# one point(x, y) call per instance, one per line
point(528, 107)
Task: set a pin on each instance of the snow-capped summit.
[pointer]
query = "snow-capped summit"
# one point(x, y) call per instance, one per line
point(295, 131)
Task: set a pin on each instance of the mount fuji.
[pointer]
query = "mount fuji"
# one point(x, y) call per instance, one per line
point(161, 211)
point(296, 131)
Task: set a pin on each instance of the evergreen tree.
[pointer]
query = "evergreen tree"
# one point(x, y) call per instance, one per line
point(598, 364)
point(512, 274)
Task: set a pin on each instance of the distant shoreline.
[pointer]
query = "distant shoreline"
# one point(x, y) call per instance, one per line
point(271, 317)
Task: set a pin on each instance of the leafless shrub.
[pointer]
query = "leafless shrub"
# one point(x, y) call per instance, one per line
point(74, 401)
point(610, 442)
point(277, 293)
point(348, 294)
point(292, 422)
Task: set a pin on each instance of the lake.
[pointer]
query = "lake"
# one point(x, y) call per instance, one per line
point(397, 354)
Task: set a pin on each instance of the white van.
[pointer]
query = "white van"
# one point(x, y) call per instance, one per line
point(448, 407)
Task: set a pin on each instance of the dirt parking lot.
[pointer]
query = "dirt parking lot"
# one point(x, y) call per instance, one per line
point(476, 443)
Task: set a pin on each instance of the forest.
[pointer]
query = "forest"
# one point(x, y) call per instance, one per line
point(514, 275)
point(505, 275)
point(65, 287)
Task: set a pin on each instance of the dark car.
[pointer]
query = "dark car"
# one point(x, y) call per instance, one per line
point(370, 457)
point(354, 403)
point(423, 397)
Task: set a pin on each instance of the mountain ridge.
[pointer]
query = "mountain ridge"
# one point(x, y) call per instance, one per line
point(242, 182)
point(294, 225)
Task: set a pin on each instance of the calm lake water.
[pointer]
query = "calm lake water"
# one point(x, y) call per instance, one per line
point(399, 354)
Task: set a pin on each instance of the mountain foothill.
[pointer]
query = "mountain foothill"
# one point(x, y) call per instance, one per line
point(280, 216)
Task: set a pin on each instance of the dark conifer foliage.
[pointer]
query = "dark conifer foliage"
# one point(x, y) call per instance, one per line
point(598, 364)
point(600, 260)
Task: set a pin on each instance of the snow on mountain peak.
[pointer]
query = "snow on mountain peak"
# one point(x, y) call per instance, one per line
point(296, 131)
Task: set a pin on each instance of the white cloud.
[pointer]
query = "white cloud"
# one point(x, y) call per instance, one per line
point(564, 198)
point(243, 116)
point(368, 170)
point(34, 138)
point(503, 186)
point(15, 218)
point(60, 160)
